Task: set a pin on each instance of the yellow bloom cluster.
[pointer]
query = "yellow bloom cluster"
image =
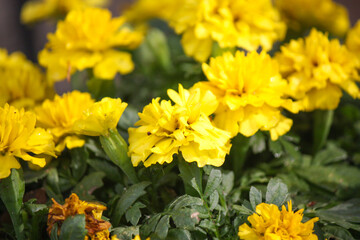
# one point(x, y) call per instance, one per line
point(23, 85)
point(19, 138)
point(74, 114)
point(97, 228)
point(137, 237)
point(59, 115)
point(166, 129)
point(231, 23)
point(37, 10)
point(317, 69)
point(268, 223)
point(251, 93)
point(353, 39)
point(324, 14)
point(87, 39)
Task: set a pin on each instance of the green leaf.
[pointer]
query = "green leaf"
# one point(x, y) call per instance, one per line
point(214, 200)
point(125, 233)
point(54, 232)
point(208, 224)
point(183, 218)
point(330, 155)
point(257, 142)
point(255, 197)
point(276, 192)
point(12, 191)
point(162, 227)
point(243, 210)
point(78, 162)
point(332, 177)
point(213, 182)
point(228, 182)
point(133, 214)
point(337, 233)
point(290, 149)
point(52, 185)
point(276, 148)
point(189, 171)
point(127, 199)
point(150, 225)
point(128, 118)
point(100, 88)
point(185, 201)
point(348, 211)
point(238, 152)
point(111, 172)
point(73, 228)
point(178, 234)
point(89, 184)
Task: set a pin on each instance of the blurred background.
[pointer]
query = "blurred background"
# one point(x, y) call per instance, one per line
point(31, 39)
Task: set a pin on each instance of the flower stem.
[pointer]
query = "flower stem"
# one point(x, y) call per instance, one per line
point(322, 124)
point(116, 148)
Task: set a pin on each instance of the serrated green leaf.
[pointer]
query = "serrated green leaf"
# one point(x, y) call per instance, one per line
point(73, 228)
point(213, 182)
point(133, 214)
point(184, 201)
point(227, 182)
point(162, 227)
point(276, 148)
point(127, 199)
point(255, 197)
point(195, 186)
point(348, 211)
point(208, 224)
point(12, 191)
point(88, 185)
point(276, 192)
point(150, 225)
point(189, 171)
point(291, 149)
point(183, 218)
point(125, 233)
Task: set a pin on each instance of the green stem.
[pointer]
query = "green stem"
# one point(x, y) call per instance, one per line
point(322, 124)
point(239, 149)
point(116, 148)
point(12, 191)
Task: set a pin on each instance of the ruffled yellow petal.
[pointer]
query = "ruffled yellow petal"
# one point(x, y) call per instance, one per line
point(7, 163)
point(113, 62)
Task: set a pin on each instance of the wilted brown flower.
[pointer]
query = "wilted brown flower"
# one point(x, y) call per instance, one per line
point(97, 228)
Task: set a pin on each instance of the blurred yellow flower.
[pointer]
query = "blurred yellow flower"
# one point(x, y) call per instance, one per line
point(137, 237)
point(143, 10)
point(353, 39)
point(19, 138)
point(268, 223)
point(231, 23)
point(166, 129)
point(37, 10)
point(317, 69)
point(323, 14)
point(59, 115)
point(97, 228)
point(88, 39)
point(100, 117)
point(23, 85)
point(251, 93)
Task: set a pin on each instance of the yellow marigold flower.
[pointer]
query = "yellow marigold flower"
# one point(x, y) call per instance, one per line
point(87, 39)
point(19, 138)
point(97, 228)
point(23, 85)
point(251, 93)
point(59, 115)
point(231, 23)
point(268, 223)
point(100, 117)
point(323, 14)
point(353, 39)
point(37, 10)
point(166, 129)
point(317, 69)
